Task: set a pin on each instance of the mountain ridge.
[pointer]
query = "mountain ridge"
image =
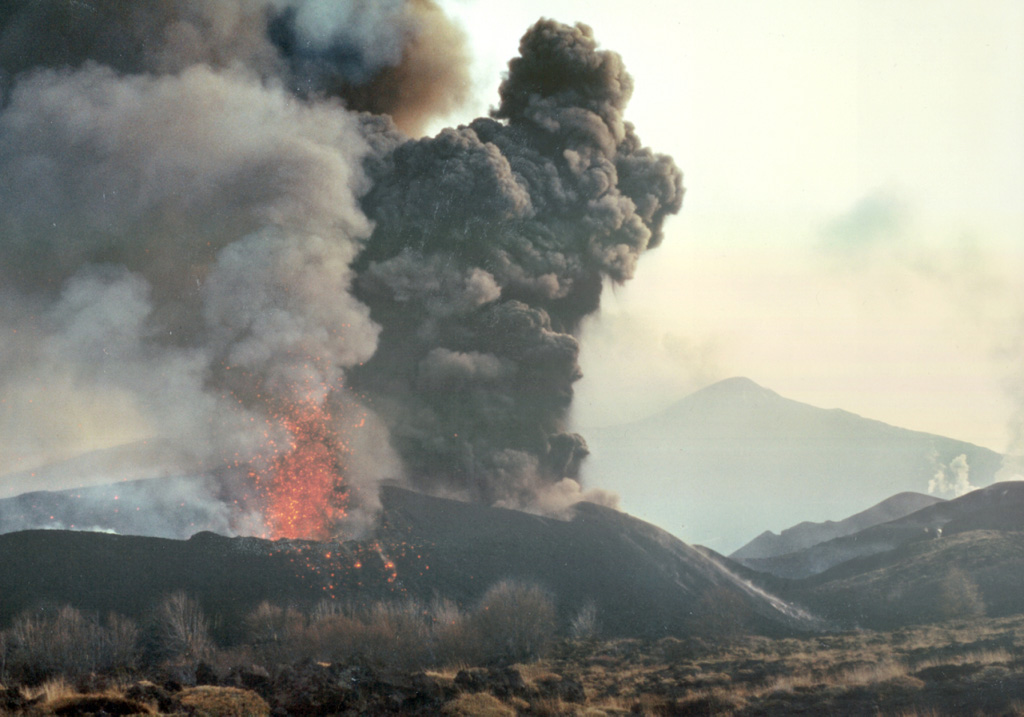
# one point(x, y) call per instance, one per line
point(999, 506)
point(735, 455)
point(808, 534)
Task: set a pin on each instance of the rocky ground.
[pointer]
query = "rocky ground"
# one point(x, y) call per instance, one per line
point(955, 668)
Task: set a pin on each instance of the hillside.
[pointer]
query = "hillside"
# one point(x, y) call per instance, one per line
point(157, 507)
point(997, 507)
point(806, 535)
point(969, 573)
point(643, 581)
point(733, 459)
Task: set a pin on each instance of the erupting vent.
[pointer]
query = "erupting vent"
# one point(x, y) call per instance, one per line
point(305, 495)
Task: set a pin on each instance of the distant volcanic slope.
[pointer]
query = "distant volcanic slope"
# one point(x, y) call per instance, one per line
point(913, 573)
point(1000, 506)
point(217, 240)
point(157, 507)
point(740, 457)
point(805, 535)
point(642, 580)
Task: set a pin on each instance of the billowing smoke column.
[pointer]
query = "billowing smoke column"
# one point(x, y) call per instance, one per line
point(403, 58)
point(212, 232)
point(491, 244)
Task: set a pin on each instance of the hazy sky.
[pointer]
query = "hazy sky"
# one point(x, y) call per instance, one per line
point(853, 231)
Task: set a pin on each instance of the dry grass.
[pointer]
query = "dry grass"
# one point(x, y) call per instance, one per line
point(912, 671)
point(980, 657)
point(50, 691)
point(223, 702)
point(835, 674)
point(871, 674)
point(105, 703)
point(478, 704)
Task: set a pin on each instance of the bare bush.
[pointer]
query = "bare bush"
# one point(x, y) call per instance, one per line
point(44, 643)
point(396, 634)
point(514, 620)
point(121, 649)
point(449, 639)
point(584, 624)
point(272, 625)
point(180, 630)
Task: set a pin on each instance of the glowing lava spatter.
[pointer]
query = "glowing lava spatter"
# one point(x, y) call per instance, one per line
point(305, 494)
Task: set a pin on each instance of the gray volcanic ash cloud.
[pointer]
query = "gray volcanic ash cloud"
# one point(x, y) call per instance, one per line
point(492, 242)
point(214, 238)
point(403, 58)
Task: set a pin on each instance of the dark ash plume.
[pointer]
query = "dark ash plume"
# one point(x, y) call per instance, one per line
point(404, 58)
point(492, 243)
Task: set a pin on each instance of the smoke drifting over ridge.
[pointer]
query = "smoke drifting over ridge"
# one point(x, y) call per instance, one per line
point(211, 227)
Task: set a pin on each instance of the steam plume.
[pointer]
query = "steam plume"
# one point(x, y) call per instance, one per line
point(212, 229)
point(952, 481)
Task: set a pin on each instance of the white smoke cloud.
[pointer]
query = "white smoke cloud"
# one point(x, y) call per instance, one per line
point(953, 480)
point(557, 499)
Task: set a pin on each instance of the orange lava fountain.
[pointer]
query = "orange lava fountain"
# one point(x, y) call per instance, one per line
point(305, 494)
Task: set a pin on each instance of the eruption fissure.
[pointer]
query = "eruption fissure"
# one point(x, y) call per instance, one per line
point(196, 198)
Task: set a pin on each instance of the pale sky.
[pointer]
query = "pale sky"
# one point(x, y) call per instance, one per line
point(853, 230)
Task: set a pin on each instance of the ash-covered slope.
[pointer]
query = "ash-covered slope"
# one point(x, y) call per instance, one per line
point(642, 580)
point(172, 507)
point(961, 575)
point(734, 458)
point(807, 534)
point(997, 507)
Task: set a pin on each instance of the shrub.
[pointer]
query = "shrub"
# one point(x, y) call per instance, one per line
point(121, 643)
point(449, 640)
point(180, 630)
point(270, 624)
point(514, 621)
point(397, 634)
point(584, 624)
point(210, 701)
point(65, 641)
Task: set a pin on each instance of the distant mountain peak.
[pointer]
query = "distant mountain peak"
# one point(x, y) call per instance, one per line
point(739, 387)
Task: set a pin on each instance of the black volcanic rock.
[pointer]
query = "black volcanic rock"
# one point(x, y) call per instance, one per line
point(643, 581)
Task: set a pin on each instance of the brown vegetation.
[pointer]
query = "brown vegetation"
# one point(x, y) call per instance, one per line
point(505, 655)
